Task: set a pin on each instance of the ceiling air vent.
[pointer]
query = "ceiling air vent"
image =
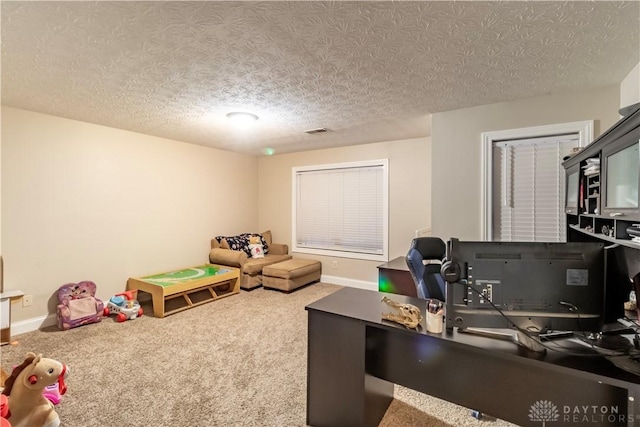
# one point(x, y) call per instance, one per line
point(315, 131)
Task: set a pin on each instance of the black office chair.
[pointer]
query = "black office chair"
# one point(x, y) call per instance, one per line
point(427, 277)
point(429, 282)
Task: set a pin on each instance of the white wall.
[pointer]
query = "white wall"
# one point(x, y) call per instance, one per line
point(456, 147)
point(409, 198)
point(88, 202)
point(630, 88)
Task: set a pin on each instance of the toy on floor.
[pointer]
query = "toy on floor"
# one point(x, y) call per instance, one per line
point(78, 305)
point(27, 405)
point(52, 393)
point(125, 305)
point(3, 377)
point(4, 411)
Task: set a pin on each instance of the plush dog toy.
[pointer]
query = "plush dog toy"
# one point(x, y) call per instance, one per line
point(27, 405)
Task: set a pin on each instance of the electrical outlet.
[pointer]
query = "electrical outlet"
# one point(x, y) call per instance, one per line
point(27, 300)
point(335, 264)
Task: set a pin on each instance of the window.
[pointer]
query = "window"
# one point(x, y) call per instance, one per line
point(342, 210)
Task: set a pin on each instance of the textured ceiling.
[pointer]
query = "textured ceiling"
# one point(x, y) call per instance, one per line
point(368, 71)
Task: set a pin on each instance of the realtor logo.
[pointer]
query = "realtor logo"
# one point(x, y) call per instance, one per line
point(580, 415)
point(543, 410)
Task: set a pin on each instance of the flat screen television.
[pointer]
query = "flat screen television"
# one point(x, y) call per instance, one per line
point(537, 286)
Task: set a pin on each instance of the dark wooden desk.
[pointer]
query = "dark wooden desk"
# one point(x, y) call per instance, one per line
point(354, 359)
point(394, 277)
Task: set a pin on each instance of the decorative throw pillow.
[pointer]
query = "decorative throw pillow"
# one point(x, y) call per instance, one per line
point(256, 250)
point(265, 244)
point(222, 242)
point(266, 235)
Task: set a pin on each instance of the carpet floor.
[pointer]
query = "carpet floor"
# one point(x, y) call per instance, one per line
point(238, 361)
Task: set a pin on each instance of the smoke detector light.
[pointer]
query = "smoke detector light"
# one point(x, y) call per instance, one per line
point(242, 117)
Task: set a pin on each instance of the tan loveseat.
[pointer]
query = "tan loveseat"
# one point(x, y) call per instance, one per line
point(250, 268)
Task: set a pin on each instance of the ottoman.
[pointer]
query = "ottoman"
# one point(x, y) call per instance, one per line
point(291, 274)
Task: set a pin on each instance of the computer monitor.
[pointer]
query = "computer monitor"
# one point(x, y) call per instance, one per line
point(537, 286)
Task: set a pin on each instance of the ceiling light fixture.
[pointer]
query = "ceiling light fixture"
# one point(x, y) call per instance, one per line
point(242, 117)
point(315, 131)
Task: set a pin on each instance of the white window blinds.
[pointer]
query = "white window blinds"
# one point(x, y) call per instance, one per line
point(529, 188)
point(341, 210)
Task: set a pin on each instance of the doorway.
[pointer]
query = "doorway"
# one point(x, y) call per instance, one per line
point(523, 181)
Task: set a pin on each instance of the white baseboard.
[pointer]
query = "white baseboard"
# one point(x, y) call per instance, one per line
point(34, 324)
point(353, 283)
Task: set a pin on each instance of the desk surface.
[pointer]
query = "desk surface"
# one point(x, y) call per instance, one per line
point(355, 358)
point(394, 277)
point(399, 263)
point(367, 306)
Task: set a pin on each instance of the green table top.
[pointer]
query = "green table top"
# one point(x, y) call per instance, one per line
point(184, 275)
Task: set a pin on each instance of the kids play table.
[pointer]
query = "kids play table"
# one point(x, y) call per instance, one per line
point(179, 290)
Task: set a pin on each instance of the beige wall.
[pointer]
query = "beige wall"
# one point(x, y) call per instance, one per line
point(456, 147)
point(0, 184)
point(81, 201)
point(87, 202)
point(630, 88)
point(409, 197)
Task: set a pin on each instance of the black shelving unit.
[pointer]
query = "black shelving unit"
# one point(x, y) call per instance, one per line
point(594, 221)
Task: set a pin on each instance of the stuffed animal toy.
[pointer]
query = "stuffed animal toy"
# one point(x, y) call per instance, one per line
point(27, 405)
point(3, 377)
